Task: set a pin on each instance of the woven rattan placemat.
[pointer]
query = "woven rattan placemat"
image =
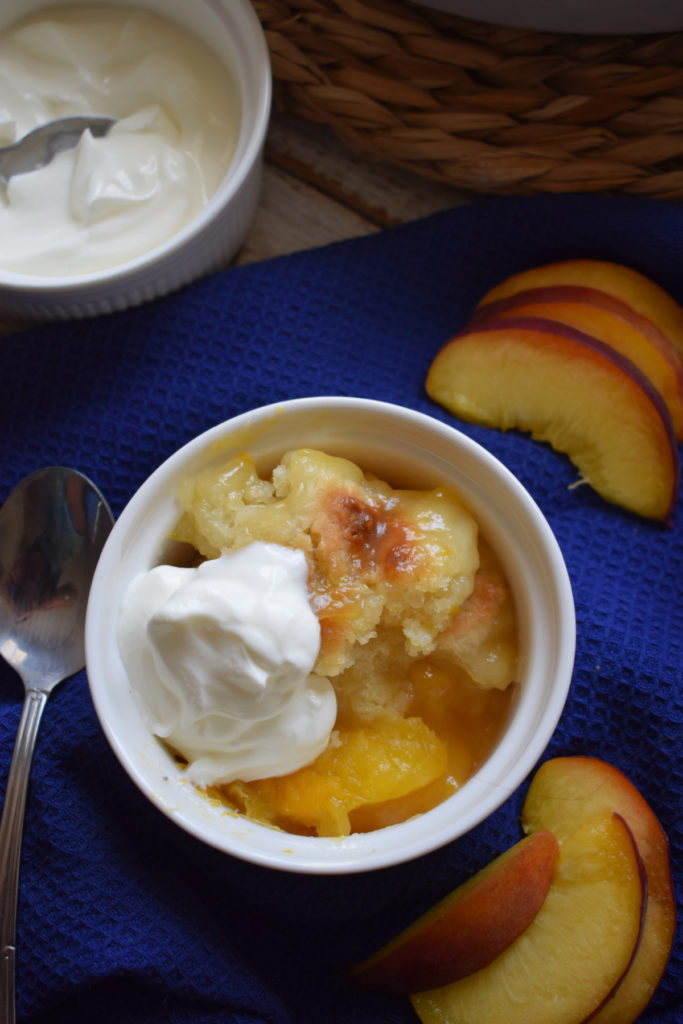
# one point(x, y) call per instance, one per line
point(483, 107)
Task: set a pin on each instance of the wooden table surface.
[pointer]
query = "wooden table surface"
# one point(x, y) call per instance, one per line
point(315, 191)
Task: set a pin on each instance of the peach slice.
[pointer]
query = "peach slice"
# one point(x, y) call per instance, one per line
point(573, 391)
point(472, 926)
point(609, 320)
point(639, 292)
point(575, 951)
point(563, 794)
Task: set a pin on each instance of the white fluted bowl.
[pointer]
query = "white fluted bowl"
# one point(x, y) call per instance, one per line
point(209, 241)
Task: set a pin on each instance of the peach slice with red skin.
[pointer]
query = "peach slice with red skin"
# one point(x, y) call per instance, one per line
point(565, 792)
point(610, 321)
point(566, 964)
point(468, 929)
point(643, 295)
point(570, 390)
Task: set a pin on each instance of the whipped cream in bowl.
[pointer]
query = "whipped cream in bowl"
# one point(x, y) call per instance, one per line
point(114, 198)
point(170, 192)
point(200, 674)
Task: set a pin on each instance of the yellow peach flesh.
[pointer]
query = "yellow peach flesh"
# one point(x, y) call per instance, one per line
point(563, 793)
point(565, 388)
point(610, 329)
point(468, 929)
point(575, 951)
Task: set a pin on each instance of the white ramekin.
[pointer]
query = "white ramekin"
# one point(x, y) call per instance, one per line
point(408, 449)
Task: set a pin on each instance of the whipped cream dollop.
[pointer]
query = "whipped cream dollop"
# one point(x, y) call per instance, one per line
point(114, 198)
point(220, 661)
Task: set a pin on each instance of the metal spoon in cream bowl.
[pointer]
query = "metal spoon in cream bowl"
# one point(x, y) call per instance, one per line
point(39, 146)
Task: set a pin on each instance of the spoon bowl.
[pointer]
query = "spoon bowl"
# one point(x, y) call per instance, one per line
point(52, 528)
point(41, 145)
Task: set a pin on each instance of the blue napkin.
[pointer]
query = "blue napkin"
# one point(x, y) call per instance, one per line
point(123, 917)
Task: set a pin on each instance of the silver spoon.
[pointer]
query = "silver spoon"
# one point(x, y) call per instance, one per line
point(39, 146)
point(52, 528)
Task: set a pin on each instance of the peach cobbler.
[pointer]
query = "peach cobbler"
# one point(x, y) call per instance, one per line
point(417, 634)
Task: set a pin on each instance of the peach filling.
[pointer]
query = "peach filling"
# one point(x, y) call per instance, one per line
point(418, 635)
point(371, 776)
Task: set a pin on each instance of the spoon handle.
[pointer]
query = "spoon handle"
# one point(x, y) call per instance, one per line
point(11, 828)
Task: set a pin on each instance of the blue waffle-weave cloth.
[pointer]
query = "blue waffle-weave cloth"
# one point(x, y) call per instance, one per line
point(124, 917)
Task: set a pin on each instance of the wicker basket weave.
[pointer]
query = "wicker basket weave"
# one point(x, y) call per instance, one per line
point(482, 107)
